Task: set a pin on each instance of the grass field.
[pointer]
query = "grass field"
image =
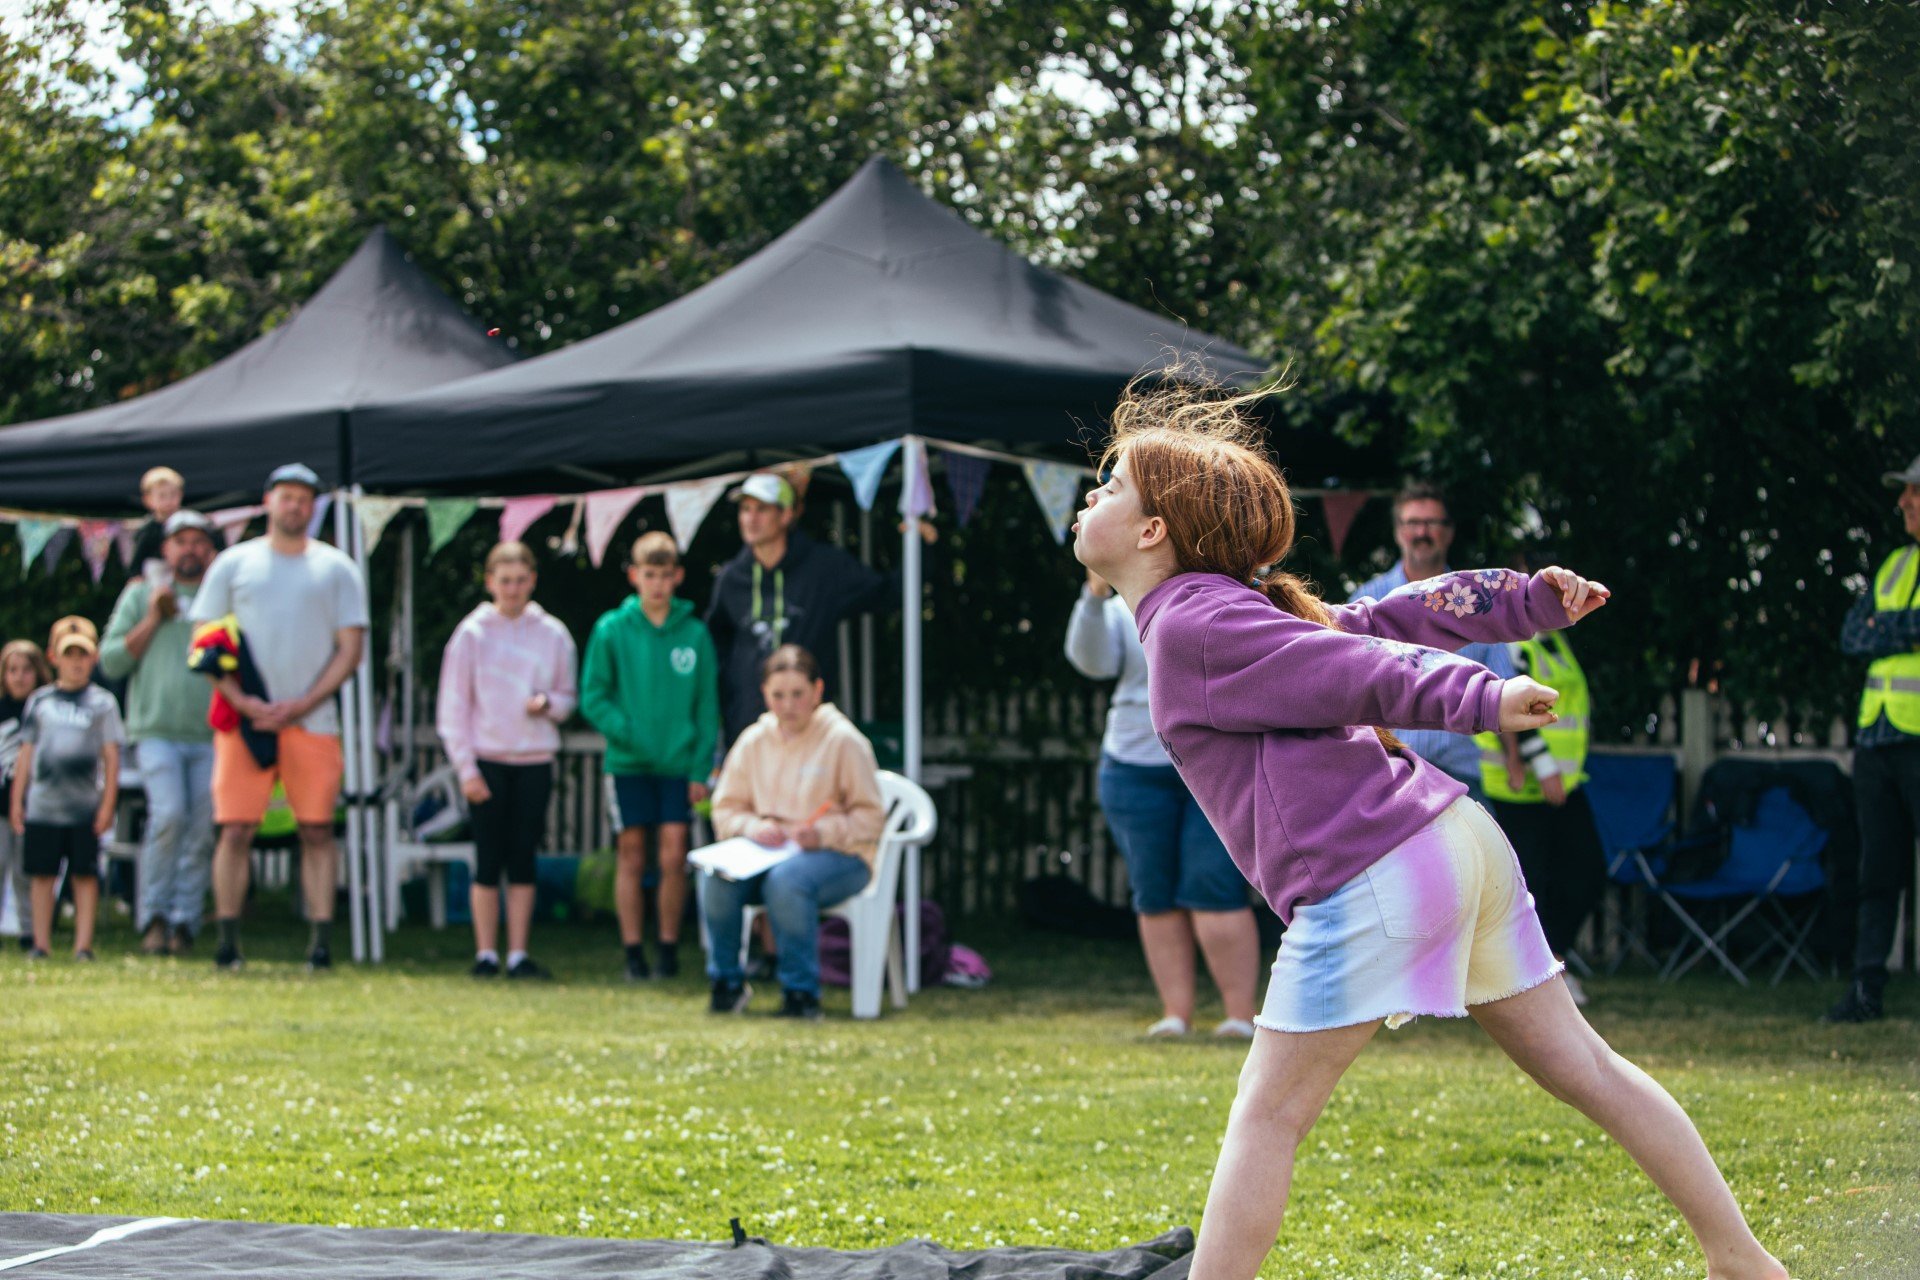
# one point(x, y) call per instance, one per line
point(1031, 1112)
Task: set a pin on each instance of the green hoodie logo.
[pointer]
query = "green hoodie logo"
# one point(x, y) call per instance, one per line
point(684, 659)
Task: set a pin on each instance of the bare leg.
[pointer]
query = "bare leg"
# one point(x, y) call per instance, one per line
point(319, 869)
point(1286, 1083)
point(483, 902)
point(1548, 1039)
point(519, 915)
point(1167, 938)
point(86, 908)
point(673, 880)
point(628, 870)
point(42, 894)
point(1230, 941)
point(232, 867)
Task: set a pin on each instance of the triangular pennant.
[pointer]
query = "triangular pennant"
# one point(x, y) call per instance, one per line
point(916, 490)
point(446, 517)
point(56, 545)
point(233, 521)
point(966, 482)
point(518, 514)
point(797, 474)
point(568, 543)
point(123, 542)
point(34, 536)
point(687, 507)
point(1340, 507)
point(321, 505)
point(376, 513)
point(866, 467)
point(605, 511)
point(1057, 489)
point(96, 540)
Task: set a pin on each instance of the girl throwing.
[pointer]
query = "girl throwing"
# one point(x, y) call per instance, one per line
point(1401, 896)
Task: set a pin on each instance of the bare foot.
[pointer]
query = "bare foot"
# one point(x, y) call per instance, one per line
point(1763, 1267)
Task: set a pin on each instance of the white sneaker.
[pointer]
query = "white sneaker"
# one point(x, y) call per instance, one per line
point(1234, 1029)
point(1574, 989)
point(1168, 1028)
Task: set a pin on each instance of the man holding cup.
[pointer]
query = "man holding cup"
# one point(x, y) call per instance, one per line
point(146, 644)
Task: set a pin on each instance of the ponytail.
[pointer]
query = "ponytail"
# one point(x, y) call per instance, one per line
point(1292, 594)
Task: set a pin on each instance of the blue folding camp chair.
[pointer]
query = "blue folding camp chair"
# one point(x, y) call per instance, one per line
point(1633, 808)
point(1772, 860)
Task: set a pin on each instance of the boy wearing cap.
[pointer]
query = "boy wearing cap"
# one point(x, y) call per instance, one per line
point(302, 607)
point(66, 784)
point(146, 644)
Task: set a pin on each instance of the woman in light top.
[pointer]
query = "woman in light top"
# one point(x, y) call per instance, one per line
point(1185, 886)
point(803, 773)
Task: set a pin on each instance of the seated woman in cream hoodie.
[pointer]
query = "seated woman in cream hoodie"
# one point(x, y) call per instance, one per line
point(801, 772)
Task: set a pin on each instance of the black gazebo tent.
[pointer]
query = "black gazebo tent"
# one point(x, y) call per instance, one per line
point(882, 313)
point(379, 328)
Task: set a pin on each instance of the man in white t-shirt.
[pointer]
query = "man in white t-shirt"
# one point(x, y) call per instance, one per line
point(301, 607)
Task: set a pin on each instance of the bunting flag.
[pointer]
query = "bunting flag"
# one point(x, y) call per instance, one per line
point(56, 546)
point(321, 505)
point(518, 514)
point(865, 468)
point(605, 511)
point(376, 514)
point(916, 489)
point(34, 536)
point(123, 543)
point(568, 543)
point(1340, 506)
point(233, 521)
point(687, 507)
point(446, 517)
point(797, 474)
point(1057, 489)
point(966, 482)
point(96, 540)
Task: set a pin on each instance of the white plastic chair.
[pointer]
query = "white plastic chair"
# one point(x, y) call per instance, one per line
point(910, 823)
point(410, 847)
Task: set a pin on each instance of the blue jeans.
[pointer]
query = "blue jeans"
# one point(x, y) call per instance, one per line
point(1174, 859)
point(794, 893)
point(176, 857)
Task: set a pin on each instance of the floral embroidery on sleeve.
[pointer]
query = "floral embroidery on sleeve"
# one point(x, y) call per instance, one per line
point(1466, 594)
point(1416, 656)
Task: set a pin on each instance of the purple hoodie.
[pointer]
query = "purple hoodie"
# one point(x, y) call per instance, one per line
point(1263, 713)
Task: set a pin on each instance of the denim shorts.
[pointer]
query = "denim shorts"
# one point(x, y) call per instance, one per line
point(1441, 923)
point(647, 800)
point(1174, 859)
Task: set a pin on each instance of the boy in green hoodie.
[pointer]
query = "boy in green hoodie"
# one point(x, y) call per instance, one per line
point(650, 685)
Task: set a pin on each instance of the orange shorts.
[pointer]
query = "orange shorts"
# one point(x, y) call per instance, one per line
point(309, 767)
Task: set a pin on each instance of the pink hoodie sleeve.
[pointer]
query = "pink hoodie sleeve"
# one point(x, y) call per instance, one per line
point(1454, 609)
point(563, 696)
point(453, 712)
point(1264, 669)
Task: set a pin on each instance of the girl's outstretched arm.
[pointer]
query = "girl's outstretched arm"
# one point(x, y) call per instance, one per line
point(1475, 605)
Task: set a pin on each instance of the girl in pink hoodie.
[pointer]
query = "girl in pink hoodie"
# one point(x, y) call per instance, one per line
point(506, 684)
point(1401, 896)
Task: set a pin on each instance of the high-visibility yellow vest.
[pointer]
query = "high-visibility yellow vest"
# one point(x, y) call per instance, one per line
point(1550, 660)
point(1893, 682)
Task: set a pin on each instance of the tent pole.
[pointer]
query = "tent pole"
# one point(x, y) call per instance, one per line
point(843, 630)
point(344, 517)
point(374, 881)
point(869, 708)
point(408, 678)
point(910, 619)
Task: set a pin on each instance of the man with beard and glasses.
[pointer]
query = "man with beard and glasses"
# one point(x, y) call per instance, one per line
point(301, 609)
point(146, 645)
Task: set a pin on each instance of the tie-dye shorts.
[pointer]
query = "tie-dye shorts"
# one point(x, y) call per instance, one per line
point(1442, 922)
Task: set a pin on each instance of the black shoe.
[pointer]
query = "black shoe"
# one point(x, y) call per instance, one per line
point(729, 997)
point(229, 959)
point(35, 953)
point(637, 970)
point(485, 969)
point(319, 960)
point(800, 1004)
point(669, 960)
point(1858, 1005)
point(84, 955)
point(528, 967)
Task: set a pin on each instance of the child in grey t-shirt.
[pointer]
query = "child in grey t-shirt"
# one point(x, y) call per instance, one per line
point(66, 784)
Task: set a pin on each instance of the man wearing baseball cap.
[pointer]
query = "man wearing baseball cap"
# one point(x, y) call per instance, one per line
point(302, 607)
point(782, 588)
point(1884, 625)
point(146, 645)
